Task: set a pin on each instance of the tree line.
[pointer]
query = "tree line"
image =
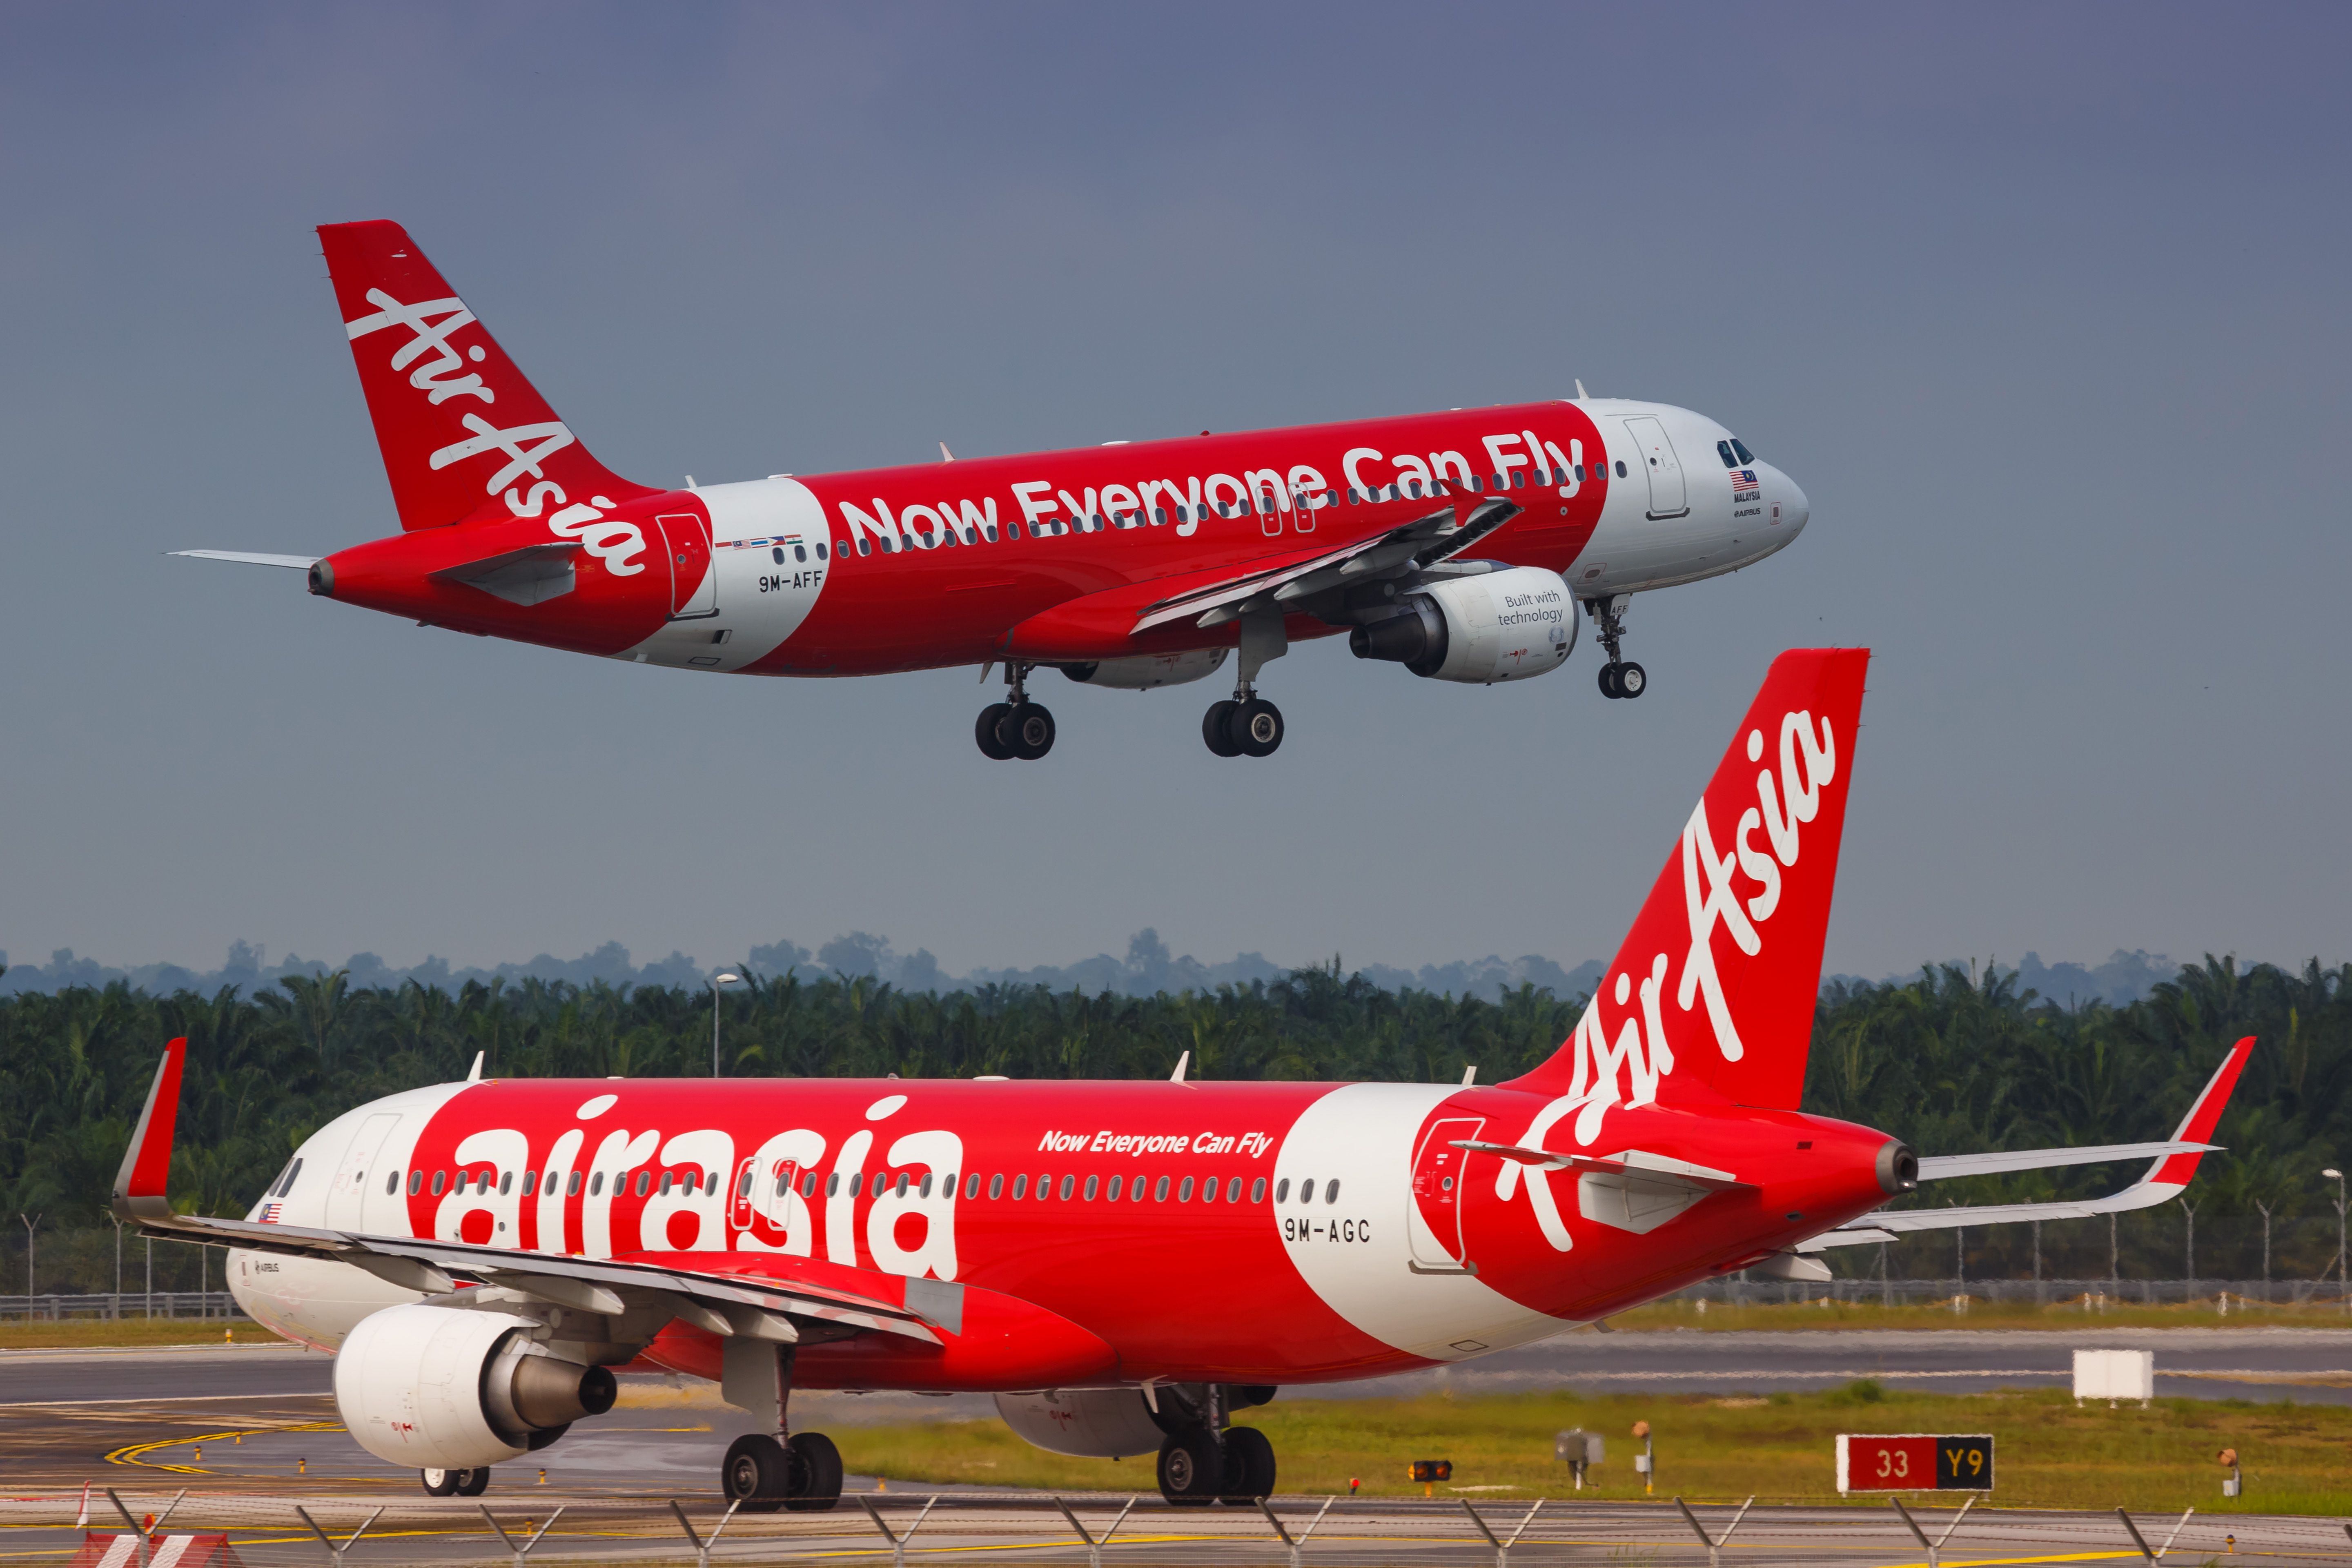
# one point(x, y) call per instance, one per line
point(1956, 1059)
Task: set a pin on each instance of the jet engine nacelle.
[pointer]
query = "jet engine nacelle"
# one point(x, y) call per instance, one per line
point(1498, 626)
point(442, 1388)
point(1091, 1423)
point(1144, 671)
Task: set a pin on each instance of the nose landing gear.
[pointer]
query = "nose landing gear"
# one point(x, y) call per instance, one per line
point(1620, 677)
point(1018, 728)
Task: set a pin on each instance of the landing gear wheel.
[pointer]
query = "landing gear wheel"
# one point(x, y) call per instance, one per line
point(1216, 729)
point(1632, 681)
point(1609, 681)
point(815, 1467)
point(473, 1482)
point(1249, 1466)
point(1026, 731)
point(757, 1473)
point(1256, 727)
point(440, 1483)
point(984, 731)
point(1191, 1468)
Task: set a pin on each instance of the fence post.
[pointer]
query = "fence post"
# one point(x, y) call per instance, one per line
point(335, 1552)
point(137, 1533)
point(523, 1550)
point(1093, 1547)
point(701, 1547)
point(898, 1542)
point(2140, 1542)
point(1714, 1544)
point(1502, 1558)
point(1299, 1543)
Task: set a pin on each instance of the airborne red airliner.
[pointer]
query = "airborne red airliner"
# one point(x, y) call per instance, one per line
point(1124, 1264)
point(1457, 544)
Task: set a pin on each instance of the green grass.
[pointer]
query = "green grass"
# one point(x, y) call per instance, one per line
point(2049, 1453)
point(2068, 1316)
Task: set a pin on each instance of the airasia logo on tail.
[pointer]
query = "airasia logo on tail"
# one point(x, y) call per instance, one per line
point(525, 447)
point(1734, 892)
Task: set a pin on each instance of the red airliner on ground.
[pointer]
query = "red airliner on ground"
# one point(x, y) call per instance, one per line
point(1123, 1265)
point(1458, 544)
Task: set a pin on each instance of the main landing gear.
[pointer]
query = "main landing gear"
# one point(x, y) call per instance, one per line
point(798, 1471)
point(1203, 1461)
point(1619, 677)
point(471, 1482)
point(1247, 725)
point(1017, 728)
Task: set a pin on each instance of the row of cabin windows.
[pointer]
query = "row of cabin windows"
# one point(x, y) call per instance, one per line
point(856, 1182)
point(1266, 504)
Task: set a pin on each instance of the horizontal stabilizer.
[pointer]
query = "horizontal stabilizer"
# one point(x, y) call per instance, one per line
point(299, 563)
point(530, 575)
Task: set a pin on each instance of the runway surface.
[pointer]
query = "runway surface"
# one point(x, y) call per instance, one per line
point(2310, 1365)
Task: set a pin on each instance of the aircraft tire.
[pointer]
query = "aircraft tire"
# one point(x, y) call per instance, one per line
point(1609, 681)
point(756, 1474)
point(1191, 1468)
point(439, 1483)
point(1257, 728)
point(1249, 1466)
point(1216, 729)
point(984, 731)
point(1632, 681)
point(473, 1482)
point(1028, 731)
point(815, 1465)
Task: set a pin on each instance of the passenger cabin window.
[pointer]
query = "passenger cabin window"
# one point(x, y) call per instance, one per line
point(1331, 1193)
point(996, 1185)
point(1091, 1188)
point(1159, 1193)
point(571, 1186)
point(1257, 1191)
point(416, 1183)
point(1184, 1192)
point(1020, 1188)
point(506, 1184)
point(392, 1184)
point(1282, 1191)
point(644, 1180)
point(1067, 1184)
point(1112, 1195)
point(971, 1186)
point(1621, 468)
point(440, 1180)
point(1233, 1190)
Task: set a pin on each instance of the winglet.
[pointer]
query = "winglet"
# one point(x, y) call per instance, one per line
point(2204, 1115)
point(139, 1186)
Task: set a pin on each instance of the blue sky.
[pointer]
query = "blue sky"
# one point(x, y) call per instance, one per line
point(2043, 307)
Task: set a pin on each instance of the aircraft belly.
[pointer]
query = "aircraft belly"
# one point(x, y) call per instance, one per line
point(1355, 1254)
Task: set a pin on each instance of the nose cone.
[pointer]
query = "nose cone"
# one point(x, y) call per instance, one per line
point(1795, 509)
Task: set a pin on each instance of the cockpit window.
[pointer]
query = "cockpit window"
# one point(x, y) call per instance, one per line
point(1723, 450)
point(1741, 446)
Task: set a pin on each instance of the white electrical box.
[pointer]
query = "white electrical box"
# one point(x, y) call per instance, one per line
point(2114, 1375)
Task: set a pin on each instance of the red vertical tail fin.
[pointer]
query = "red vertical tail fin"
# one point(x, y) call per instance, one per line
point(460, 426)
point(1714, 987)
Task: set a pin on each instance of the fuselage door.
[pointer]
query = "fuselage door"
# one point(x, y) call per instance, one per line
point(1434, 1215)
point(348, 1197)
point(1669, 496)
point(693, 586)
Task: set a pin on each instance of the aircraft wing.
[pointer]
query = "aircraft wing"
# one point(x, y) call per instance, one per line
point(2175, 1163)
point(1443, 531)
point(782, 1299)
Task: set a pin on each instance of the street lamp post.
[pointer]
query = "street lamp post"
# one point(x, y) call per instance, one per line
point(729, 978)
point(2343, 1266)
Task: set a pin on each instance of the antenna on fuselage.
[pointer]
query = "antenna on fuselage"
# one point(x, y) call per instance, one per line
point(1181, 1063)
point(1469, 1076)
point(946, 456)
point(1582, 396)
point(473, 1073)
